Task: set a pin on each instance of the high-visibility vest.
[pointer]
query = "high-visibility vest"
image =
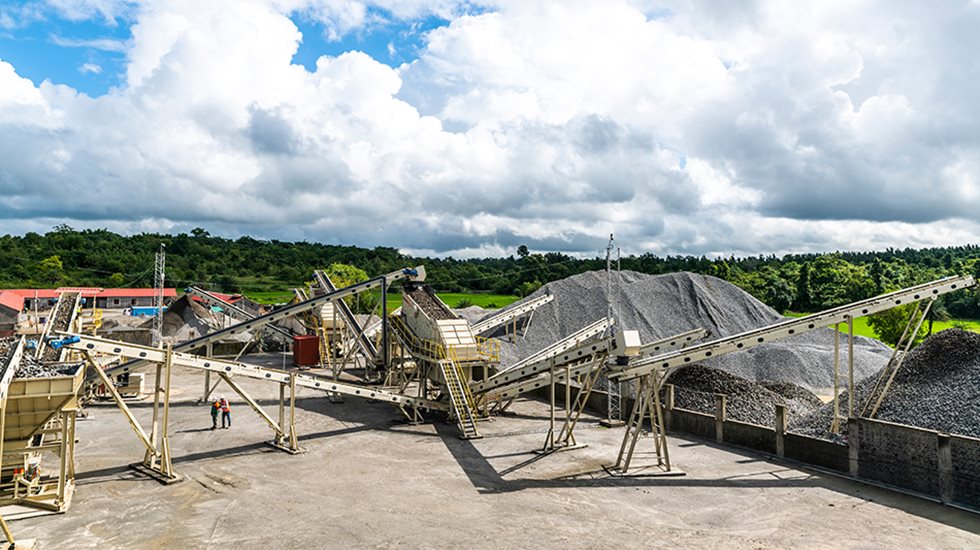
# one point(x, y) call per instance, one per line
point(225, 407)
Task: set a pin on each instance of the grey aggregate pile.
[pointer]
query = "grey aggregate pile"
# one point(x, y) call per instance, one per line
point(32, 368)
point(695, 387)
point(60, 320)
point(937, 388)
point(427, 301)
point(663, 305)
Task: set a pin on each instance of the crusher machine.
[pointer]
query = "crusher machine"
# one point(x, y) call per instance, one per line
point(446, 352)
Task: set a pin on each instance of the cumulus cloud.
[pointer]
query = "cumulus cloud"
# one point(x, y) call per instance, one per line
point(90, 68)
point(682, 127)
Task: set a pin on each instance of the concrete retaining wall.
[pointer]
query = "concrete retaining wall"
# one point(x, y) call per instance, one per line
point(694, 423)
point(894, 454)
point(818, 452)
point(914, 459)
point(965, 472)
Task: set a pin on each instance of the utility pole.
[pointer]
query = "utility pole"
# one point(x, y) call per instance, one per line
point(159, 272)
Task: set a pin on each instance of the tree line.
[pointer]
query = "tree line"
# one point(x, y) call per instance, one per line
point(798, 282)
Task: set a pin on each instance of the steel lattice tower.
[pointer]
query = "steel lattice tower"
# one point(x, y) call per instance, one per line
point(159, 273)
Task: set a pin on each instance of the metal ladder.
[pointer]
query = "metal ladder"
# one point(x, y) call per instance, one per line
point(459, 396)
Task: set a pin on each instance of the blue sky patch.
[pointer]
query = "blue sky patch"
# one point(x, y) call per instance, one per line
point(391, 42)
point(86, 55)
point(90, 55)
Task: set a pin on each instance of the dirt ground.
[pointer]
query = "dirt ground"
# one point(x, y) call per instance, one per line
point(370, 481)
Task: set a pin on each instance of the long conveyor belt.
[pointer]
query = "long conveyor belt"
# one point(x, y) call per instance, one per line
point(580, 360)
point(485, 326)
point(61, 319)
point(157, 355)
point(416, 274)
point(791, 327)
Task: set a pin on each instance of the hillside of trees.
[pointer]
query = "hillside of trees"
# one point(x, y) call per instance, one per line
point(800, 283)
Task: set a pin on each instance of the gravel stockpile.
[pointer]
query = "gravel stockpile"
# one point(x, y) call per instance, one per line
point(663, 305)
point(32, 368)
point(695, 388)
point(792, 392)
point(432, 306)
point(937, 387)
point(60, 320)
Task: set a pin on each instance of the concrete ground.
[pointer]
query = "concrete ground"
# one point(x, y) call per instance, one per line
point(368, 480)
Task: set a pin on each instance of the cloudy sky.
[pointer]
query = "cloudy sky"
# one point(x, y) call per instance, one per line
point(468, 128)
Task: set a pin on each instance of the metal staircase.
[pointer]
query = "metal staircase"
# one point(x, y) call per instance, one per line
point(460, 398)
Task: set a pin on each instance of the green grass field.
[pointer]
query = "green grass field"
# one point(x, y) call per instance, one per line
point(861, 327)
point(270, 296)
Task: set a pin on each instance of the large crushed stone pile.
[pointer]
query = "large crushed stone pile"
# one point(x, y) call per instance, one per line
point(937, 387)
point(695, 387)
point(659, 306)
point(61, 317)
point(427, 301)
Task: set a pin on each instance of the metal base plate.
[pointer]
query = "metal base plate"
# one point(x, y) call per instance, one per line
point(606, 423)
point(645, 471)
point(559, 449)
point(155, 474)
point(284, 448)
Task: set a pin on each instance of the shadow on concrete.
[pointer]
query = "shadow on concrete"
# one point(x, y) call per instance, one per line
point(487, 480)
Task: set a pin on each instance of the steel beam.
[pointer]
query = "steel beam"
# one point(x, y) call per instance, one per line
point(111, 347)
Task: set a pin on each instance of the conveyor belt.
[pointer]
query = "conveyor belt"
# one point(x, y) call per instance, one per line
point(61, 319)
point(363, 342)
point(487, 325)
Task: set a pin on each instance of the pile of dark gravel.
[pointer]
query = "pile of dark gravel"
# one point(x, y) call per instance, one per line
point(29, 366)
point(32, 368)
point(937, 387)
point(659, 306)
point(695, 387)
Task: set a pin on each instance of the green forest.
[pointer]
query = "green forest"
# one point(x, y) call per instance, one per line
point(791, 283)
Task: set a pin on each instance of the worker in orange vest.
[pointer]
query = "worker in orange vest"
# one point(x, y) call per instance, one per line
point(215, 409)
point(225, 412)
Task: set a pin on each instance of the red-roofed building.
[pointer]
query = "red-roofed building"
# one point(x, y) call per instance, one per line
point(18, 300)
